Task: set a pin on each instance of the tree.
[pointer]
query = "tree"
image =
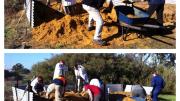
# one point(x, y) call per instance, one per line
point(7, 73)
point(113, 68)
point(17, 68)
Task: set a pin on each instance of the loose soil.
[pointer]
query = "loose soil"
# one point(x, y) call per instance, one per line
point(72, 96)
point(71, 32)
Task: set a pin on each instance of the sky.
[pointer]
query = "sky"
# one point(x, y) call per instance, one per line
point(171, 1)
point(26, 59)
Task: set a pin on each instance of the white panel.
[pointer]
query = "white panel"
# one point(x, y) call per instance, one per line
point(115, 87)
point(128, 88)
point(28, 12)
point(148, 90)
point(20, 95)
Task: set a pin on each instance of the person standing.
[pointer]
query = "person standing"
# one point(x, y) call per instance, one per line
point(158, 6)
point(92, 7)
point(60, 69)
point(158, 84)
point(80, 74)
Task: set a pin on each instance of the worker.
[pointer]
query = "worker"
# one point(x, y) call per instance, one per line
point(158, 6)
point(80, 74)
point(138, 93)
point(92, 7)
point(60, 69)
point(94, 92)
point(99, 83)
point(38, 85)
point(158, 84)
point(68, 6)
point(58, 85)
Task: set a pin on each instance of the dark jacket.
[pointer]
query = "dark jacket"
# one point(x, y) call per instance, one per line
point(39, 87)
point(157, 82)
point(156, 1)
point(94, 3)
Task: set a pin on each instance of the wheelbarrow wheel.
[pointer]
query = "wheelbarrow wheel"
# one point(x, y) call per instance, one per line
point(124, 31)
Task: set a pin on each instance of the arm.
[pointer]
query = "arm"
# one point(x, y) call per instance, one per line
point(33, 84)
point(44, 89)
point(33, 89)
point(55, 71)
point(153, 82)
point(90, 95)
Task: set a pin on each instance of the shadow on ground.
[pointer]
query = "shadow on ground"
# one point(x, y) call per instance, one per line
point(146, 32)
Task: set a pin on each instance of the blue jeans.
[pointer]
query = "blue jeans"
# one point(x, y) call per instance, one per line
point(155, 94)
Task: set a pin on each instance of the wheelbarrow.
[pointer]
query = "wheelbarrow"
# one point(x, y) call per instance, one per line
point(131, 17)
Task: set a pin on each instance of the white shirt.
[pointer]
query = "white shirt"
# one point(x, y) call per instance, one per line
point(34, 82)
point(117, 2)
point(95, 82)
point(82, 73)
point(60, 70)
point(68, 2)
point(76, 72)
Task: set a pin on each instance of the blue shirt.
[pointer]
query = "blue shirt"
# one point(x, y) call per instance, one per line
point(157, 82)
point(156, 1)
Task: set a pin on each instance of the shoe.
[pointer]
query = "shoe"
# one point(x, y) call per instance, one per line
point(91, 28)
point(100, 42)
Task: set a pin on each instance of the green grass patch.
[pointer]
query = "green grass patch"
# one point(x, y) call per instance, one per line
point(167, 97)
point(9, 33)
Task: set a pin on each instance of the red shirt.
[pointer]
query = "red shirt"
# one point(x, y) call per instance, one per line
point(94, 89)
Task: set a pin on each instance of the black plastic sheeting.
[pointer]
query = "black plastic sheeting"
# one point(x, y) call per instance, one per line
point(43, 13)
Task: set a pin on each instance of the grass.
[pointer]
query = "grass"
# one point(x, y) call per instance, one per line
point(167, 97)
point(9, 33)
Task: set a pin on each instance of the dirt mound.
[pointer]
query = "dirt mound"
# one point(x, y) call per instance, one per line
point(72, 96)
point(71, 32)
point(68, 96)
